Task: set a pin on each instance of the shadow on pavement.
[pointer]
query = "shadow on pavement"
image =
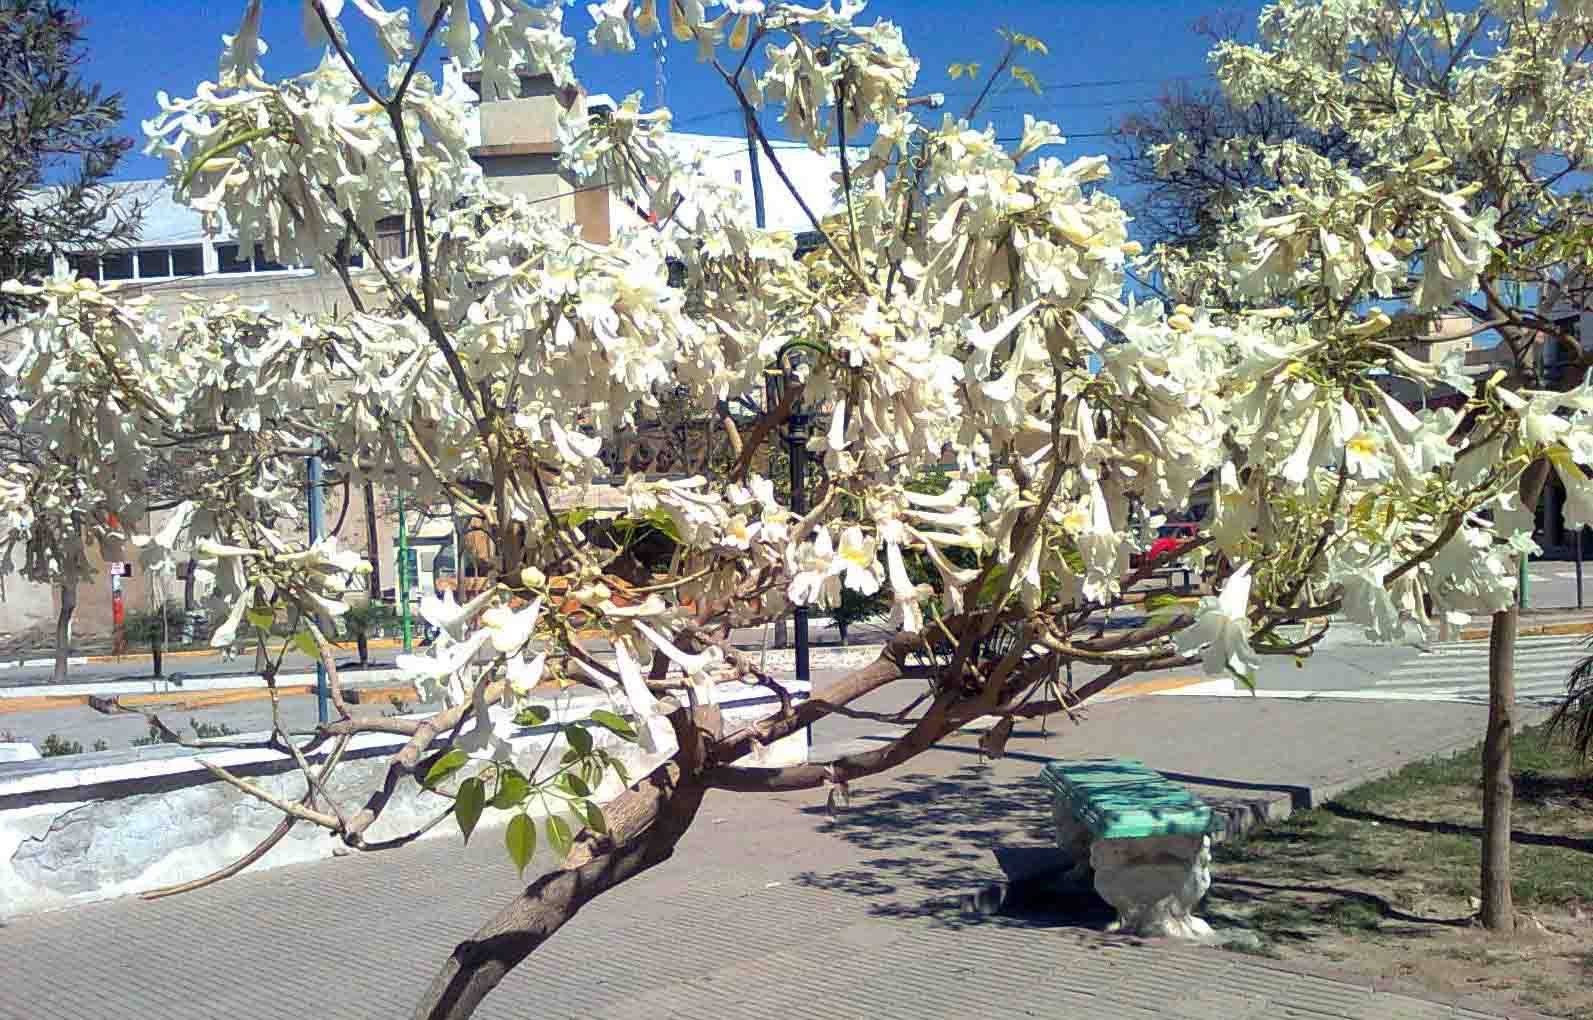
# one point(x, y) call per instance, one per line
point(960, 850)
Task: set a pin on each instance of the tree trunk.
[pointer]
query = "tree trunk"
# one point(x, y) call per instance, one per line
point(154, 653)
point(781, 637)
point(373, 544)
point(363, 643)
point(63, 632)
point(645, 823)
point(1498, 906)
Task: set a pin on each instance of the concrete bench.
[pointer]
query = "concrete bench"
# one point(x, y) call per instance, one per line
point(1142, 839)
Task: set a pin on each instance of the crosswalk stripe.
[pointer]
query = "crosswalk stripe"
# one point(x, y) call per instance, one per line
point(1459, 672)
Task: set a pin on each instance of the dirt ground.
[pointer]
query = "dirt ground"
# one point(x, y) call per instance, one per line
point(1384, 882)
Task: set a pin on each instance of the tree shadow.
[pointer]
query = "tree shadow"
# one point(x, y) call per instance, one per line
point(1246, 890)
point(1569, 791)
point(1579, 844)
point(959, 850)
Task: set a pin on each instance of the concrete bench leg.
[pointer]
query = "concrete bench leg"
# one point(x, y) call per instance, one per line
point(1154, 882)
point(1074, 841)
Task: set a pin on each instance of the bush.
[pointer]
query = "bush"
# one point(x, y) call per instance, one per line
point(205, 731)
point(202, 730)
point(366, 619)
point(156, 626)
point(56, 746)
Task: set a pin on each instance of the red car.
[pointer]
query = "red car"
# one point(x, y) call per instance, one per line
point(1171, 537)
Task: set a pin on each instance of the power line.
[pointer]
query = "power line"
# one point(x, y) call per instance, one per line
point(1061, 86)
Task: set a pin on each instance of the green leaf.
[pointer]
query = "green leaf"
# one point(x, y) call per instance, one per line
point(661, 520)
point(261, 616)
point(954, 71)
point(578, 517)
point(595, 819)
point(512, 790)
point(467, 806)
point(444, 767)
point(619, 769)
point(1024, 75)
point(615, 724)
point(575, 785)
point(559, 835)
point(1161, 600)
point(579, 739)
point(531, 715)
point(521, 839)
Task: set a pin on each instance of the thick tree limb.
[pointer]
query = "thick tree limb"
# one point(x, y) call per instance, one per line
point(645, 825)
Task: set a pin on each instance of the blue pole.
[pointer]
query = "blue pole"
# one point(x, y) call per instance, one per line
point(322, 706)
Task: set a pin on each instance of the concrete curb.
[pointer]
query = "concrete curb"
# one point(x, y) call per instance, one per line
point(1240, 818)
point(183, 685)
point(1559, 629)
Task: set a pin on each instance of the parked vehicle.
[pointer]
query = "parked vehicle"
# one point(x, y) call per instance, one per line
point(1171, 537)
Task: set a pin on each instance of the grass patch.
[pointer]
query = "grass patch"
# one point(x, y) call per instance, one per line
point(1385, 878)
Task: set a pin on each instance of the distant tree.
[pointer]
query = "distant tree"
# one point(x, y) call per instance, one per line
point(58, 146)
point(1187, 207)
point(1228, 153)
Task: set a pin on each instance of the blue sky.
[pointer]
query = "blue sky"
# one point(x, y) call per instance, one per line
point(138, 47)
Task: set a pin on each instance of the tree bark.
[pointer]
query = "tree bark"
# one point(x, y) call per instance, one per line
point(644, 825)
point(154, 653)
point(370, 538)
point(1498, 905)
point(63, 631)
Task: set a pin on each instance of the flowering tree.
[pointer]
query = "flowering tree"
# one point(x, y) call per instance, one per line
point(956, 307)
point(1482, 118)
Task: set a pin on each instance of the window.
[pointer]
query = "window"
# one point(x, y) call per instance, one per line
point(227, 260)
point(392, 240)
point(262, 264)
point(117, 265)
point(154, 262)
point(142, 264)
point(189, 261)
point(31, 265)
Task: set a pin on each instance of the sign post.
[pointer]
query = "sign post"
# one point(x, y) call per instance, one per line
point(405, 560)
point(313, 471)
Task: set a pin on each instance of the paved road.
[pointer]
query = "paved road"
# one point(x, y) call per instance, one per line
point(1459, 672)
point(771, 908)
point(1452, 671)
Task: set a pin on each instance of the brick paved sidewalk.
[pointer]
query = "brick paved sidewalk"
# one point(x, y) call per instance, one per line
point(788, 914)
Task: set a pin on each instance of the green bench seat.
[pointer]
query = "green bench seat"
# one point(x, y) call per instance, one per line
point(1119, 798)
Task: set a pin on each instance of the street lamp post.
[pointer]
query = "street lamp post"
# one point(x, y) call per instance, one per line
point(403, 578)
point(796, 437)
point(317, 502)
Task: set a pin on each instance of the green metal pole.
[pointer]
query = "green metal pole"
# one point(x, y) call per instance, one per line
point(1521, 580)
point(403, 575)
